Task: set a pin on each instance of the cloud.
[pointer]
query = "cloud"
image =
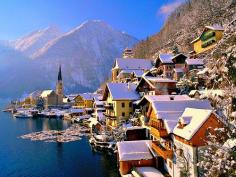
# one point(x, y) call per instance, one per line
point(166, 9)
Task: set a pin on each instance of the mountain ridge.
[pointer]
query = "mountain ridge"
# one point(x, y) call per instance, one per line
point(86, 54)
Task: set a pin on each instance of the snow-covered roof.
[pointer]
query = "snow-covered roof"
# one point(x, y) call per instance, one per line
point(76, 110)
point(193, 92)
point(180, 105)
point(158, 79)
point(123, 91)
point(194, 119)
point(35, 94)
point(133, 63)
point(72, 96)
point(215, 27)
point(96, 102)
point(166, 58)
point(153, 80)
point(97, 97)
point(149, 172)
point(138, 73)
point(134, 150)
point(194, 61)
point(87, 96)
point(153, 98)
point(45, 93)
point(179, 70)
point(170, 124)
point(208, 92)
point(212, 92)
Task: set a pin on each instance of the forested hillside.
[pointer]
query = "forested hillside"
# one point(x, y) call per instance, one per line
point(185, 24)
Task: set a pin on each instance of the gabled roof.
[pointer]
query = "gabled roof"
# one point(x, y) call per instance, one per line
point(194, 118)
point(121, 91)
point(214, 27)
point(179, 70)
point(136, 72)
point(153, 80)
point(166, 58)
point(134, 150)
point(170, 107)
point(45, 93)
point(194, 61)
point(179, 58)
point(87, 96)
point(179, 106)
point(153, 98)
point(72, 96)
point(133, 63)
point(208, 92)
point(35, 94)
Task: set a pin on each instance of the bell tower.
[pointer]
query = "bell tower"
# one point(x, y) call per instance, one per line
point(59, 87)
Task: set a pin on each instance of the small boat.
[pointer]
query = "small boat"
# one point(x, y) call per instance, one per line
point(23, 115)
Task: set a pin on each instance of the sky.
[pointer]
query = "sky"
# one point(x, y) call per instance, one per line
point(139, 18)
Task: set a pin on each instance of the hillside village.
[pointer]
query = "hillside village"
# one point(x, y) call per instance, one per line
point(156, 114)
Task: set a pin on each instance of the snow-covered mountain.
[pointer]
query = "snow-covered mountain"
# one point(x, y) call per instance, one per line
point(86, 54)
point(32, 42)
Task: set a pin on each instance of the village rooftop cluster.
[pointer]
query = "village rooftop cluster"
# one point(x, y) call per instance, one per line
point(144, 113)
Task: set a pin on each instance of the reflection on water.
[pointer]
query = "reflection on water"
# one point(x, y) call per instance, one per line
point(19, 157)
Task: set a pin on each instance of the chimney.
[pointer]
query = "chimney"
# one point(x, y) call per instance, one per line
point(128, 86)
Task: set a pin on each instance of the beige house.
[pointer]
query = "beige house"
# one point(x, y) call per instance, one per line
point(50, 98)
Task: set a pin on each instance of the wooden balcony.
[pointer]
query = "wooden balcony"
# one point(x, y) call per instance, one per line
point(109, 116)
point(108, 106)
point(162, 151)
point(158, 132)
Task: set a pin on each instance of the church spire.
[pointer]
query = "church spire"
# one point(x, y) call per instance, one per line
point(59, 74)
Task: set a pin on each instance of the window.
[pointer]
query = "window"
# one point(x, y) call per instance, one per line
point(122, 105)
point(130, 104)
point(123, 114)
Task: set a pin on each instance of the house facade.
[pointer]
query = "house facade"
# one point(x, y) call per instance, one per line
point(128, 65)
point(208, 38)
point(156, 86)
point(119, 99)
point(50, 99)
point(190, 136)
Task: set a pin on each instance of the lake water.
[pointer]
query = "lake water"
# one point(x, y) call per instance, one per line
point(24, 158)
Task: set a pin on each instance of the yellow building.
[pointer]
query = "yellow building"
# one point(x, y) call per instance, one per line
point(119, 99)
point(208, 39)
point(84, 100)
point(31, 99)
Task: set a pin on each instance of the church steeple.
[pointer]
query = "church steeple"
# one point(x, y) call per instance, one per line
point(59, 74)
point(59, 87)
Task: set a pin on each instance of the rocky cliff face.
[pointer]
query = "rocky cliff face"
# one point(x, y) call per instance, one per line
point(185, 24)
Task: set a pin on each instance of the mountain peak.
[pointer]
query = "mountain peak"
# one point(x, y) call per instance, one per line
point(90, 24)
point(32, 42)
